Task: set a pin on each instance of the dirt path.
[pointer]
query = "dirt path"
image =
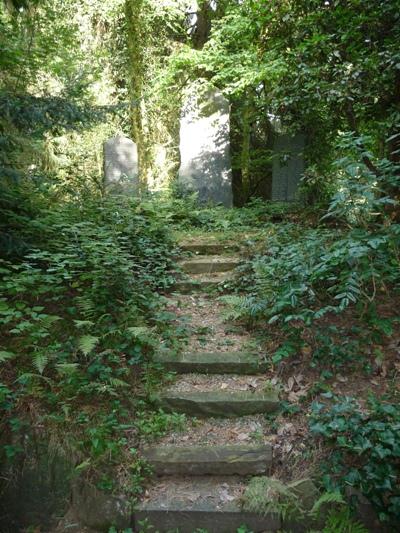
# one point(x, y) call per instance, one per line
point(203, 470)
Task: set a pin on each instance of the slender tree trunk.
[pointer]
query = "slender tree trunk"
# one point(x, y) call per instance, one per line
point(245, 152)
point(136, 41)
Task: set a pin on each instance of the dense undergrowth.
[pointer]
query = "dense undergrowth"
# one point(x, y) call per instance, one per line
point(81, 274)
point(322, 293)
point(81, 316)
point(325, 296)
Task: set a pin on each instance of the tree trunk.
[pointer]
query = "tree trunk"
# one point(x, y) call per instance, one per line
point(136, 41)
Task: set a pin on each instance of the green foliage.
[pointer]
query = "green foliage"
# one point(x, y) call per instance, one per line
point(152, 425)
point(300, 276)
point(365, 447)
point(365, 195)
point(186, 215)
point(342, 522)
point(78, 332)
point(322, 68)
point(266, 495)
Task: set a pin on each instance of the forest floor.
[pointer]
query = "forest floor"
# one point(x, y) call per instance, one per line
point(256, 331)
point(297, 454)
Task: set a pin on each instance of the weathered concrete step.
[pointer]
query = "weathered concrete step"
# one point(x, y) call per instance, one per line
point(208, 248)
point(203, 460)
point(212, 362)
point(210, 503)
point(201, 284)
point(179, 519)
point(209, 264)
point(219, 403)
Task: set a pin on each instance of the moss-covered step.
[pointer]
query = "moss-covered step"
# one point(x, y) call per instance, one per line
point(203, 460)
point(187, 505)
point(208, 248)
point(201, 283)
point(209, 264)
point(212, 362)
point(228, 519)
point(219, 403)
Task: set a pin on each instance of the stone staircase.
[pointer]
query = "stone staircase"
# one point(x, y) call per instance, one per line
point(199, 485)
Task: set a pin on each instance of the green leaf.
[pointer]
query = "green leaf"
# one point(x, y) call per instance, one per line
point(6, 356)
point(87, 343)
point(138, 331)
point(67, 369)
point(40, 361)
point(83, 323)
point(82, 466)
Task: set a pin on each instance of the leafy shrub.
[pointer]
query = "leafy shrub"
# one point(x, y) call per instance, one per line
point(365, 450)
point(186, 213)
point(265, 495)
point(366, 193)
point(302, 275)
point(78, 325)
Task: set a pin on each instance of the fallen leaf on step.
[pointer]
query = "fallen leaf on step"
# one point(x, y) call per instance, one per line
point(225, 496)
point(383, 370)
point(287, 447)
point(296, 396)
point(299, 378)
point(290, 384)
point(243, 436)
point(224, 386)
point(287, 429)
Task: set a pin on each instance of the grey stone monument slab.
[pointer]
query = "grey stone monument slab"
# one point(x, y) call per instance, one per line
point(204, 148)
point(121, 165)
point(287, 166)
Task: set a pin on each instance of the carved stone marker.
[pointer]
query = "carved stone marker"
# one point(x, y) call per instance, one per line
point(287, 166)
point(204, 147)
point(120, 165)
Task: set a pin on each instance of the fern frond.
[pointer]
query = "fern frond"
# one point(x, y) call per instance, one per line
point(138, 331)
point(265, 495)
point(327, 497)
point(66, 369)
point(86, 343)
point(83, 323)
point(40, 361)
point(342, 522)
point(6, 356)
point(116, 383)
point(86, 307)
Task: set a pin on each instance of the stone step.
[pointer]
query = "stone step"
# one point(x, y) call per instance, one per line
point(212, 362)
point(180, 519)
point(209, 264)
point(208, 248)
point(203, 460)
point(210, 504)
point(219, 403)
point(201, 284)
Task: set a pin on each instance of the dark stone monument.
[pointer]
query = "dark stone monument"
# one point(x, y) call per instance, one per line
point(287, 166)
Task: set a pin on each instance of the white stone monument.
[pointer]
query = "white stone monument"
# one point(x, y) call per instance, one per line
point(204, 148)
point(121, 165)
